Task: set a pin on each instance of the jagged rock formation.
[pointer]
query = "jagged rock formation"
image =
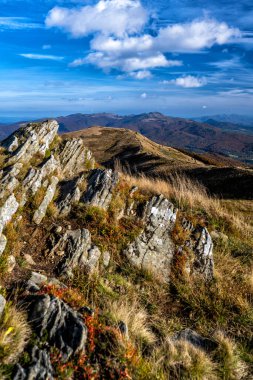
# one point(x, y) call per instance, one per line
point(201, 244)
point(49, 195)
point(35, 176)
point(9, 182)
point(7, 211)
point(101, 184)
point(153, 249)
point(39, 368)
point(35, 138)
point(62, 325)
point(203, 250)
point(78, 252)
point(70, 193)
point(74, 157)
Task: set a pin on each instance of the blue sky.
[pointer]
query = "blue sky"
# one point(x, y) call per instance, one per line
point(179, 57)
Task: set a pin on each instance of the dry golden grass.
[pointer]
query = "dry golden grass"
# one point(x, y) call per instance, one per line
point(14, 333)
point(180, 360)
point(231, 367)
point(136, 319)
point(190, 195)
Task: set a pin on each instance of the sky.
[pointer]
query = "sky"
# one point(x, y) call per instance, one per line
point(179, 57)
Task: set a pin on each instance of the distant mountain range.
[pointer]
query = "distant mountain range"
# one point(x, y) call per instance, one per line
point(232, 118)
point(196, 136)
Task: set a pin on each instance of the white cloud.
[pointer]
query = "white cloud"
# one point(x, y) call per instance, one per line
point(119, 42)
point(190, 81)
point(107, 16)
point(42, 57)
point(17, 23)
point(142, 74)
point(131, 64)
point(195, 36)
point(144, 95)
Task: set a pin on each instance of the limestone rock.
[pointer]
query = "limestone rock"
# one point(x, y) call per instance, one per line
point(7, 211)
point(30, 140)
point(41, 212)
point(69, 194)
point(61, 324)
point(39, 367)
point(203, 250)
point(195, 339)
point(74, 157)
point(106, 259)
point(153, 249)
point(2, 304)
point(11, 263)
point(101, 184)
point(9, 182)
point(35, 176)
point(3, 242)
point(79, 252)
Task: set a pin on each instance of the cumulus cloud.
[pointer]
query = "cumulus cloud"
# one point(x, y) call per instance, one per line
point(129, 64)
point(190, 81)
point(195, 36)
point(119, 41)
point(115, 17)
point(144, 95)
point(42, 57)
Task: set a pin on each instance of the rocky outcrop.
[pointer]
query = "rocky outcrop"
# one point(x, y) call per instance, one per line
point(74, 157)
point(49, 195)
point(39, 367)
point(35, 176)
point(7, 211)
point(70, 193)
point(203, 262)
point(78, 252)
point(153, 249)
point(62, 325)
point(201, 245)
point(9, 182)
point(26, 142)
point(101, 184)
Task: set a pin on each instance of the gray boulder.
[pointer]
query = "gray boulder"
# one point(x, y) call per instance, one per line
point(195, 339)
point(39, 367)
point(78, 252)
point(74, 157)
point(50, 192)
point(153, 249)
point(62, 325)
point(101, 185)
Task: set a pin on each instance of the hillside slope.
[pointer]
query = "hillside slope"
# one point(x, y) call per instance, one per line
point(106, 275)
point(136, 153)
point(176, 132)
point(133, 150)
